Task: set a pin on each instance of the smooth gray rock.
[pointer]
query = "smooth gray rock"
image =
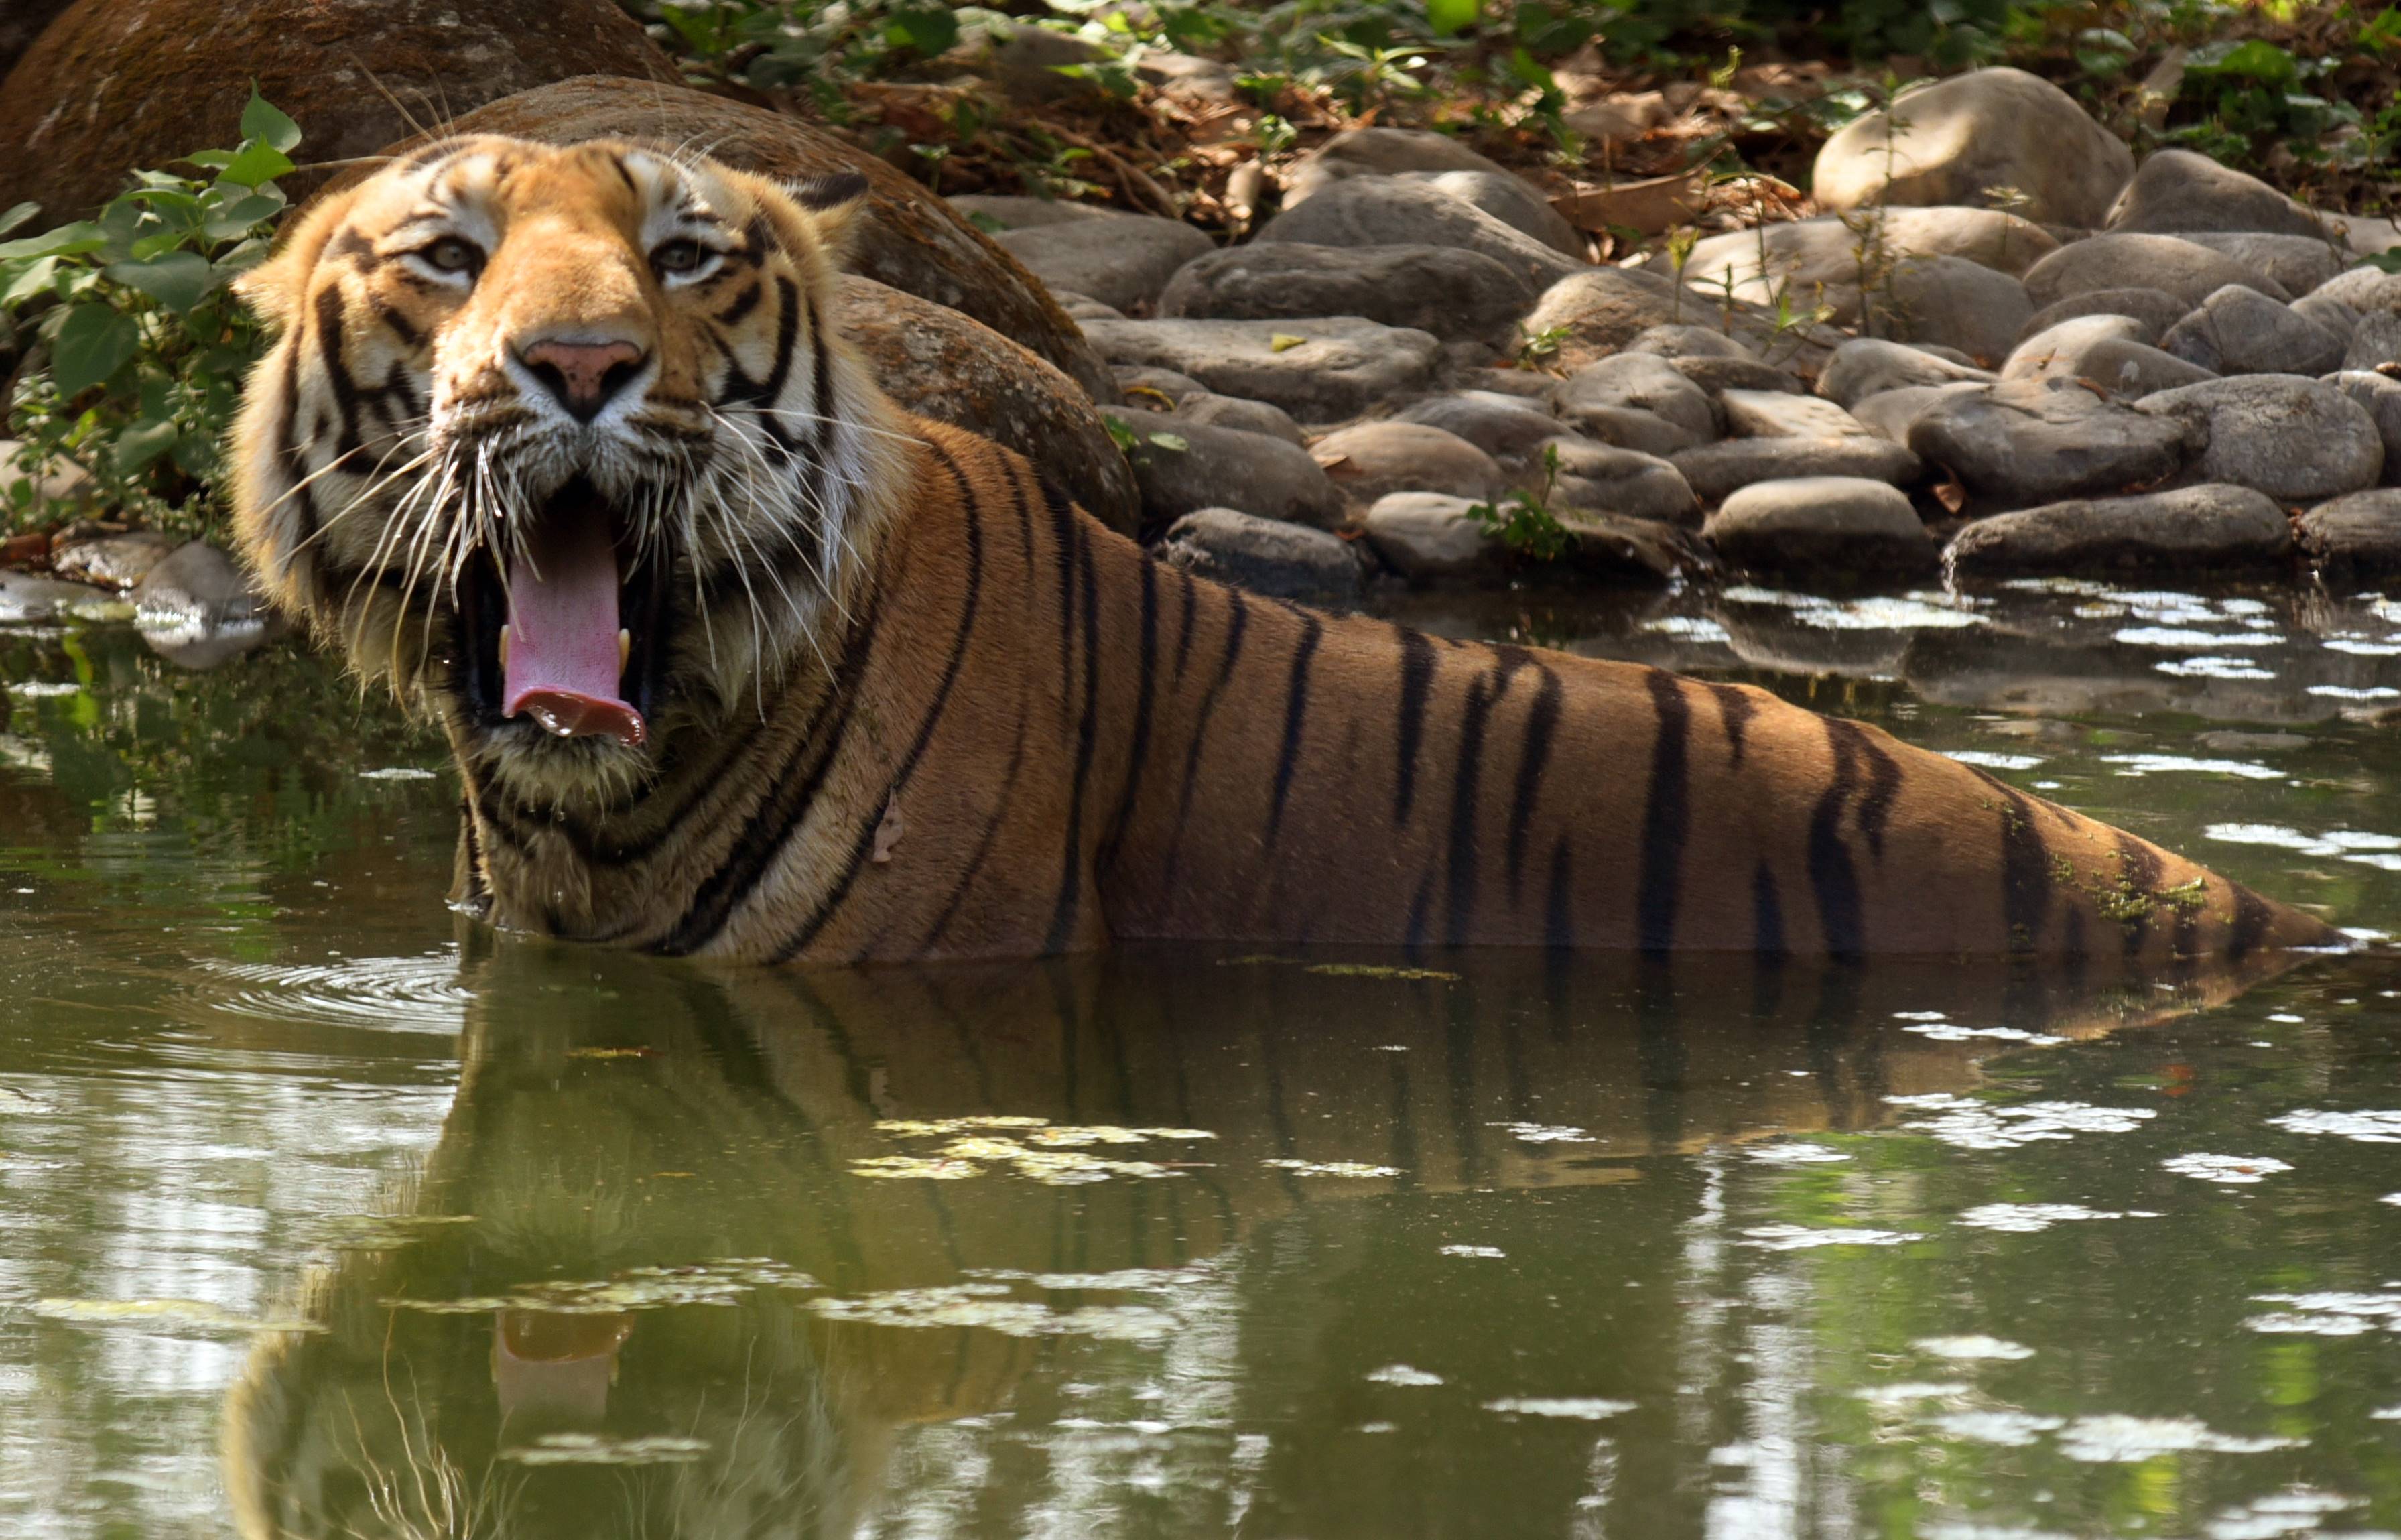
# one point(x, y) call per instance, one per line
point(1947, 142)
point(1523, 384)
point(1224, 468)
point(2155, 309)
point(1890, 414)
point(1445, 290)
point(2298, 262)
point(1836, 260)
point(1601, 478)
point(1765, 414)
point(1230, 411)
point(2374, 342)
point(2026, 442)
point(2332, 314)
point(2215, 528)
point(1509, 199)
point(1685, 341)
point(2297, 440)
point(1143, 386)
point(2176, 190)
point(1510, 429)
point(1718, 374)
point(1388, 211)
point(1264, 556)
point(2189, 271)
point(1639, 401)
point(1188, 75)
point(1613, 549)
point(1599, 310)
point(27, 598)
point(198, 583)
point(1426, 536)
point(1713, 471)
point(1123, 260)
point(112, 561)
point(1083, 306)
point(1377, 152)
point(2355, 541)
point(1368, 460)
point(1950, 302)
point(2102, 348)
point(1821, 526)
point(2364, 289)
point(1867, 367)
point(2380, 396)
point(1341, 367)
point(2239, 331)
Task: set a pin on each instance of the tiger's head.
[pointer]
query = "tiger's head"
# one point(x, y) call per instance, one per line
point(560, 442)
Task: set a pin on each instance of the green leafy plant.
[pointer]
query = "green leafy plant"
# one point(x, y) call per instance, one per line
point(131, 349)
point(1523, 520)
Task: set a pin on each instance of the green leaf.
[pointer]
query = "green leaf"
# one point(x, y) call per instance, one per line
point(36, 279)
point(1450, 16)
point(92, 343)
point(197, 453)
point(929, 30)
point(66, 240)
point(1176, 442)
point(2387, 260)
point(262, 121)
point(237, 219)
point(177, 280)
point(21, 214)
point(141, 443)
point(2256, 59)
point(208, 160)
point(259, 162)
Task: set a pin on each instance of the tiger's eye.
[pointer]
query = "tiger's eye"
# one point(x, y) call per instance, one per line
point(451, 254)
point(679, 256)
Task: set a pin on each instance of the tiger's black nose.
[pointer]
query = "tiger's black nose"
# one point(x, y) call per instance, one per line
point(584, 377)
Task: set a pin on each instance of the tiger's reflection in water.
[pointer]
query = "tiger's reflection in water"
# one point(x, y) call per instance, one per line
point(617, 1113)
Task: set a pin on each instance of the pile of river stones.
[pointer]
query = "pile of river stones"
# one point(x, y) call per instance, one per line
point(2169, 369)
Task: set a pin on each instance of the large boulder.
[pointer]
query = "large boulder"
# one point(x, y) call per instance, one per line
point(1392, 210)
point(1947, 142)
point(2026, 442)
point(2380, 396)
point(119, 84)
point(2298, 262)
point(906, 238)
point(1120, 259)
point(2154, 310)
point(1426, 536)
point(1319, 371)
point(1264, 556)
point(1377, 152)
point(2355, 541)
point(1368, 460)
point(1603, 479)
point(1716, 470)
point(1183, 467)
point(1639, 401)
point(2106, 351)
point(1511, 429)
point(2208, 527)
point(1821, 527)
point(941, 363)
point(2239, 331)
point(1836, 258)
point(2191, 272)
point(1949, 302)
point(1596, 311)
point(1867, 367)
point(1511, 200)
point(2176, 190)
point(2297, 440)
point(1449, 291)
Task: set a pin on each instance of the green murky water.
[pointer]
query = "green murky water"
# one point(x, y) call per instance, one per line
point(320, 1217)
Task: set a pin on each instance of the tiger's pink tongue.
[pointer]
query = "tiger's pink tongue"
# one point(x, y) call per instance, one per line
point(563, 664)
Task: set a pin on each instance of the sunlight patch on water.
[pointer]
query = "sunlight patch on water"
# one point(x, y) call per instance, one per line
point(1914, 612)
point(594, 1448)
point(726, 1281)
point(2033, 1218)
point(165, 1317)
point(2009, 1428)
point(988, 1306)
point(1803, 1238)
point(2212, 667)
point(1974, 1345)
point(1401, 1374)
point(1795, 1153)
point(2367, 1128)
point(1333, 1168)
point(2147, 765)
point(1902, 1392)
point(2114, 1439)
point(419, 994)
point(2224, 1170)
point(2349, 845)
point(1987, 759)
point(1967, 1124)
point(2191, 639)
point(1588, 1409)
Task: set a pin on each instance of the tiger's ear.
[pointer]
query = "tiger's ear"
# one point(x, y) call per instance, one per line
point(833, 203)
point(276, 287)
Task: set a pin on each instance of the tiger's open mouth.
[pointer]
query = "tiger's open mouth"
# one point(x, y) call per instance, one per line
point(568, 635)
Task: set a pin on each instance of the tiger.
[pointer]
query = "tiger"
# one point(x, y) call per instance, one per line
point(735, 660)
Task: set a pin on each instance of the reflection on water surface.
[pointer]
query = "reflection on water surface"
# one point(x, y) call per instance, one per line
point(325, 1221)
